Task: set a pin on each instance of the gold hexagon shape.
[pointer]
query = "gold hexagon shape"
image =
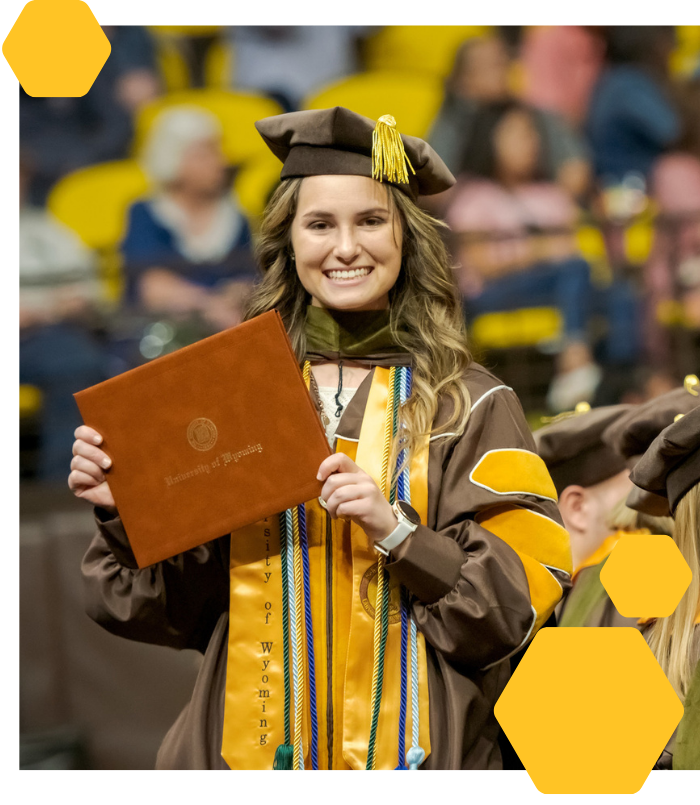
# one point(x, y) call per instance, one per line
point(56, 48)
point(645, 575)
point(588, 711)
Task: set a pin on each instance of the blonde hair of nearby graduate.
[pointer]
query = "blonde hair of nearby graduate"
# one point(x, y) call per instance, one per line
point(426, 316)
point(622, 518)
point(671, 638)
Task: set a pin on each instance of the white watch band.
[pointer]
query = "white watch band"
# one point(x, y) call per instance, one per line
point(404, 529)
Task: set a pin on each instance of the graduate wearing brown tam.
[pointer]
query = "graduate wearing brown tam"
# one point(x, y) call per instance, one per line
point(478, 560)
point(632, 434)
point(338, 141)
point(671, 465)
point(573, 448)
point(591, 479)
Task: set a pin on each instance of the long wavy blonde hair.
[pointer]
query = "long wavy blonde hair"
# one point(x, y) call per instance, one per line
point(671, 639)
point(425, 312)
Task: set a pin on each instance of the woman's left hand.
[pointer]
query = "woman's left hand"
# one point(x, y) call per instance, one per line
point(351, 493)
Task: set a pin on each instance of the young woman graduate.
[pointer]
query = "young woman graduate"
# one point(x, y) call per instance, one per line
point(436, 549)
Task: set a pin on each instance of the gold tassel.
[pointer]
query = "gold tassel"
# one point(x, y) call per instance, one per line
point(388, 155)
point(691, 384)
point(581, 408)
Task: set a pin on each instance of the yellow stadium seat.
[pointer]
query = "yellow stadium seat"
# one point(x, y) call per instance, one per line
point(516, 328)
point(591, 243)
point(428, 49)
point(170, 41)
point(254, 183)
point(218, 65)
point(237, 112)
point(638, 239)
point(412, 99)
point(29, 400)
point(185, 30)
point(94, 201)
point(172, 65)
point(591, 246)
point(685, 59)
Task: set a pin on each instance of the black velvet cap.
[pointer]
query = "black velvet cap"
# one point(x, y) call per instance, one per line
point(573, 450)
point(337, 141)
point(671, 465)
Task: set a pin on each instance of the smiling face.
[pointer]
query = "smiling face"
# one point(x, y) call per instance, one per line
point(346, 241)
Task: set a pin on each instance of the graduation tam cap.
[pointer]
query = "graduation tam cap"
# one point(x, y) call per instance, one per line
point(631, 435)
point(671, 465)
point(337, 141)
point(573, 449)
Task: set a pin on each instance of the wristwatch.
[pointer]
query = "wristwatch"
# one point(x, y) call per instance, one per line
point(409, 521)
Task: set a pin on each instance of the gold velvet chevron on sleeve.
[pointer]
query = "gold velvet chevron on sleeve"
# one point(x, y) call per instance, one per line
point(542, 546)
point(513, 471)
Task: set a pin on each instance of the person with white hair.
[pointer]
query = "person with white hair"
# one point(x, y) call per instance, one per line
point(187, 247)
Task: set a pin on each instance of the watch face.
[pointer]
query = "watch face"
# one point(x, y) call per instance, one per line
point(408, 511)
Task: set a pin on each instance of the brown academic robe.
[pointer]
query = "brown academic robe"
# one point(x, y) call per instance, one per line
point(469, 590)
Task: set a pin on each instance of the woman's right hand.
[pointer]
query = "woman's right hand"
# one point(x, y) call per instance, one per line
point(87, 479)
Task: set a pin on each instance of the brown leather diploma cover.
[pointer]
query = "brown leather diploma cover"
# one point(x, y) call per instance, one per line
point(213, 437)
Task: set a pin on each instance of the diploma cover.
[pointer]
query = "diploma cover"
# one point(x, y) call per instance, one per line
point(208, 439)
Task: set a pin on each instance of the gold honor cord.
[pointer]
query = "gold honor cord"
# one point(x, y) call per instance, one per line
point(382, 589)
point(299, 671)
point(299, 639)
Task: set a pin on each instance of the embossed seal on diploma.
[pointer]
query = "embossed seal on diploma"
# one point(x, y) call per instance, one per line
point(202, 433)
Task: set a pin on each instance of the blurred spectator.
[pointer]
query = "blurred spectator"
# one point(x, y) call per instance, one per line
point(187, 249)
point(60, 296)
point(517, 249)
point(63, 134)
point(631, 118)
point(561, 64)
point(477, 94)
point(673, 270)
point(288, 62)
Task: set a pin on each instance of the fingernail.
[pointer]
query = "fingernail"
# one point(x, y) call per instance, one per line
point(97, 439)
point(106, 463)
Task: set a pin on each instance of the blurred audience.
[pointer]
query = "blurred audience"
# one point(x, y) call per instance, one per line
point(477, 94)
point(673, 270)
point(60, 300)
point(61, 135)
point(187, 248)
point(516, 246)
point(288, 62)
point(631, 118)
point(560, 65)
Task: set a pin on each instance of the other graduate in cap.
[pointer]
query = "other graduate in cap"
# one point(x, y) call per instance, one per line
point(436, 550)
point(631, 435)
point(671, 469)
point(591, 480)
